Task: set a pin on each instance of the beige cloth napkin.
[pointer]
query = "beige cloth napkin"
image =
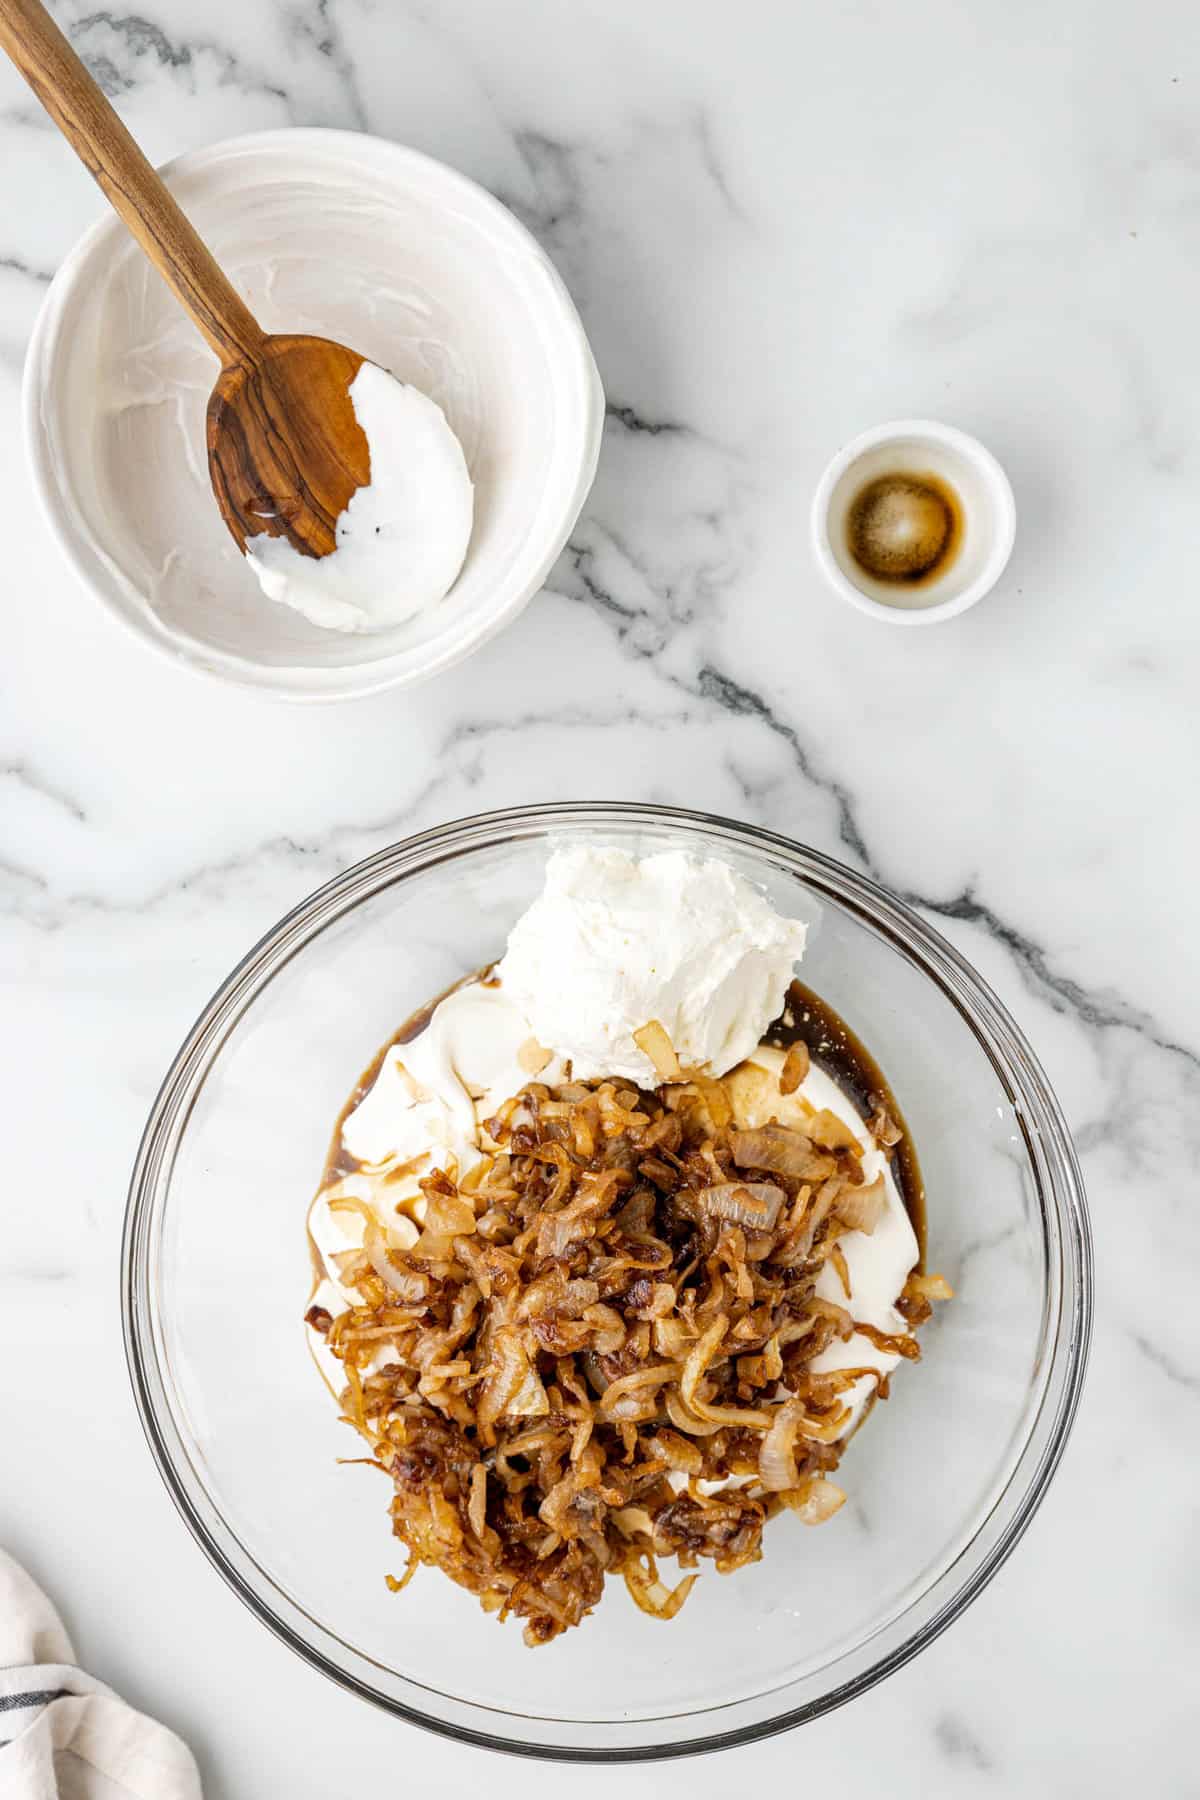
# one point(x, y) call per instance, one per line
point(64, 1736)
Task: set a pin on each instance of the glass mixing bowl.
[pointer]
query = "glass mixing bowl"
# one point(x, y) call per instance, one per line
point(942, 1481)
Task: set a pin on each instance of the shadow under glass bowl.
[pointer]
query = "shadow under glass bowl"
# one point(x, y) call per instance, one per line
point(942, 1481)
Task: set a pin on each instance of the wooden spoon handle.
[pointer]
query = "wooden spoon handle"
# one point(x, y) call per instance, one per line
point(92, 128)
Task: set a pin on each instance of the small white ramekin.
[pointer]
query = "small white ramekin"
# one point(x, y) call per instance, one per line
point(449, 291)
point(989, 519)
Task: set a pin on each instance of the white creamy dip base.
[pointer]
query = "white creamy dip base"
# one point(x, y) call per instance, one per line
point(402, 539)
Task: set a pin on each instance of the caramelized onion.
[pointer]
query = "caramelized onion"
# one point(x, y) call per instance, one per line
point(831, 1131)
point(814, 1500)
point(397, 1584)
point(653, 1042)
point(715, 1098)
point(741, 1417)
point(795, 1068)
point(776, 1459)
point(641, 1380)
point(408, 1284)
point(752, 1203)
point(697, 1362)
point(651, 1594)
point(608, 1328)
point(557, 1509)
point(862, 1207)
point(634, 1521)
point(676, 1452)
point(776, 1463)
point(781, 1151)
point(883, 1128)
point(684, 1419)
point(892, 1344)
point(532, 1056)
point(837, 1315)
point(929, 1287)
point(447, 1215)
point(510, 1387)
point(619, 1298)
point(477, 1505)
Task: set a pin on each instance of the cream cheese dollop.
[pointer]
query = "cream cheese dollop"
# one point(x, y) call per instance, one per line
point(402, 539)
point(613, 943)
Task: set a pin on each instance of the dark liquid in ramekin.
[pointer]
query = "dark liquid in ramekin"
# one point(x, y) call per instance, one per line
point(905, 529)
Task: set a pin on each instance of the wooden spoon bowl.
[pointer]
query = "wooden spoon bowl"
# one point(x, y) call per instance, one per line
point(285, 450)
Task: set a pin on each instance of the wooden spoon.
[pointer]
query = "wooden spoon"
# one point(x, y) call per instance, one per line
point(285, 450)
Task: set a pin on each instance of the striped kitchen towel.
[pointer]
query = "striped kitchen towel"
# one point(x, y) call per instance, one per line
point(63, 1735)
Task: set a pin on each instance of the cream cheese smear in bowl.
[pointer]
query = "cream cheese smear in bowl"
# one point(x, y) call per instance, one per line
point(402, 539)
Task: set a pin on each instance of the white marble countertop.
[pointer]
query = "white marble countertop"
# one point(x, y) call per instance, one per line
point(781, 224)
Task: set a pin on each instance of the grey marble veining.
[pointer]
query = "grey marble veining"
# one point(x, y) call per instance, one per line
point(780, 225)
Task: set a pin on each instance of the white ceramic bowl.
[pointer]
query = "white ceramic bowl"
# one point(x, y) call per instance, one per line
point(357, 239)
point(989, 519)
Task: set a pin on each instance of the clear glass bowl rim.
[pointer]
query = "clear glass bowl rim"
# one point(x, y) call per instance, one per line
point(1047, 1138)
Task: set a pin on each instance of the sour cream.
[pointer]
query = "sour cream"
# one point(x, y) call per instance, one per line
point(402, 539)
